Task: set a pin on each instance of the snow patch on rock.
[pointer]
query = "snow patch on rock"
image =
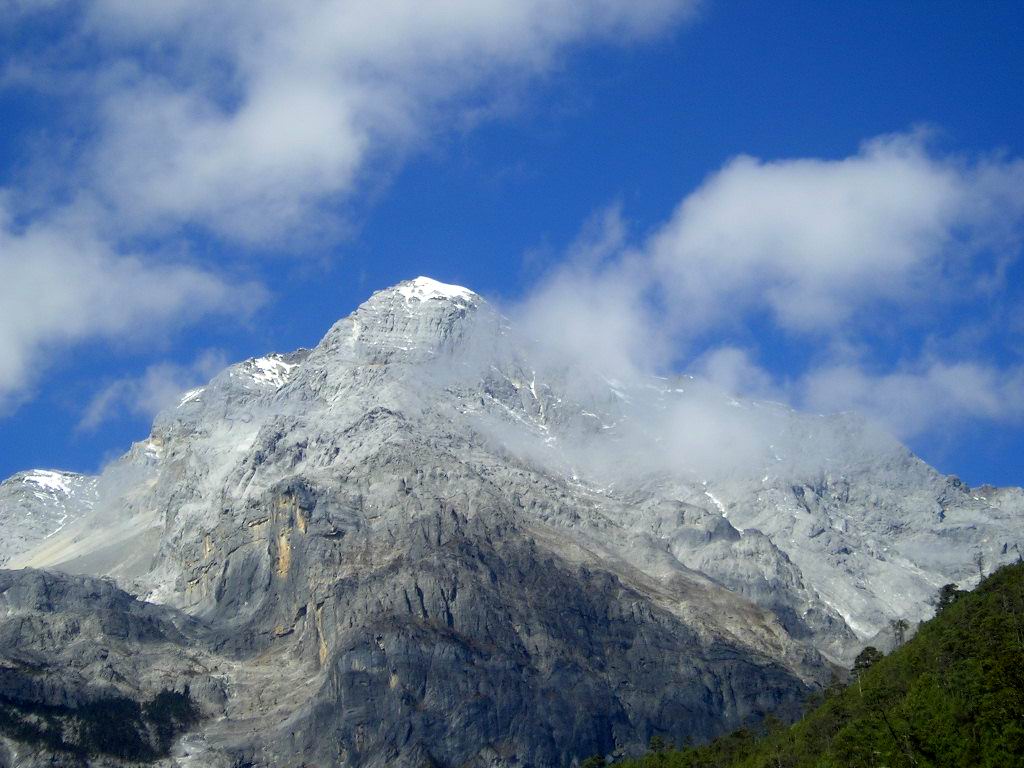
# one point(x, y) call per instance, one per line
point(55, 482)
point(191, 396)
point(271, 370)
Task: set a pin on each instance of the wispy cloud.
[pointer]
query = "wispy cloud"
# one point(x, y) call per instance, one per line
point(63, 284)
point(815, 241)
point(820, 252)
point(252, 122)
point(249, 117)
point(914, 399)
point(159, 386)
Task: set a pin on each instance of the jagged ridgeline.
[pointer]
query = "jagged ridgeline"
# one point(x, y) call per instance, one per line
point(952, 696)
point(430, 541)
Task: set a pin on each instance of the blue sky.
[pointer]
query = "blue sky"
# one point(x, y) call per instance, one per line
point(475, 146)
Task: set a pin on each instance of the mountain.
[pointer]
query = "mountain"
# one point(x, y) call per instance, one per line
point(37, 505)
point(430, 540)
point(949, 697)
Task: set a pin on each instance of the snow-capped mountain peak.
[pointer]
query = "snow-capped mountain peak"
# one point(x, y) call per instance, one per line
point(426, 288)
point(425, 513)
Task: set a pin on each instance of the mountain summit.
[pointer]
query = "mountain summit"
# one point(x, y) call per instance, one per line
point(427, 541)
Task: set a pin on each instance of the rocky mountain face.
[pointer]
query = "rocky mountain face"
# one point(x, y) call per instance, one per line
point(426, 541)
point(37, 505)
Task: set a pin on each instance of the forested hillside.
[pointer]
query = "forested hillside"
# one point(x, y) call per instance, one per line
point(952, 696)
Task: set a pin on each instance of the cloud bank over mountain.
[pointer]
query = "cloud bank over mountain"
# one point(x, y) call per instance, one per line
point(256, 128)
point(822, 252)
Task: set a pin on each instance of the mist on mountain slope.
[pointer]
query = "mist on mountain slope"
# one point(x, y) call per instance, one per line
point(597, 328)
point(845, 261)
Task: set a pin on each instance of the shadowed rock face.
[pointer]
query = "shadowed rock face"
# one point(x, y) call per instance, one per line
point(417, 543)
point(473, 646)
point(80, 661)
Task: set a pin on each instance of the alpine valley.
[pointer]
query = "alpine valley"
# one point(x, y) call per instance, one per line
point(427, 541)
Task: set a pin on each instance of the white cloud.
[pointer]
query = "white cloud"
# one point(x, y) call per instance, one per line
point(910, 400)
point(592, 307)
point(822, 253)
point(247, 117)
point(917, 399)
point(815, 241)
point(63, 284)
point(252, 119)
point(157, 388)
point(733, 370)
